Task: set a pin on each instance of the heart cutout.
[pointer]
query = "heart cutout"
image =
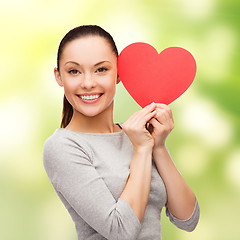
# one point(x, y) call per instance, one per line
point(152, 77)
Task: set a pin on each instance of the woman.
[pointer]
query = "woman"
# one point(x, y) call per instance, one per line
point(114, 179)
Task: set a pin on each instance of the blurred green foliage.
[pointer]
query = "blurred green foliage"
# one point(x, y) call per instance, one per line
point(205, 143)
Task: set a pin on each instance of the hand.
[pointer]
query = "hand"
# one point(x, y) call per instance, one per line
point(135, 128)
point(161, 125)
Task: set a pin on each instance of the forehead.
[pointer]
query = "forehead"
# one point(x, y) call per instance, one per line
point(90, 49)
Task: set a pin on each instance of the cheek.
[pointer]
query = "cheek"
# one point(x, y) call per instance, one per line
point(70, 86)
point(111, 84)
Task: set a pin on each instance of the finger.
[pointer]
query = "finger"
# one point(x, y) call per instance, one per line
point(141, 117)
point(147, 117)
point(165, 112)
point(155, 123)
point(149, 108)
point(141, 114)
point(164, 106)
point(158, 128)
point(162, 116)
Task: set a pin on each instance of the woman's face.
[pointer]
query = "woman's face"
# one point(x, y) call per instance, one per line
point(88, 73)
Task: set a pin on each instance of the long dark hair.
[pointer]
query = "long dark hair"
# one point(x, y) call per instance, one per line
point(73, 34)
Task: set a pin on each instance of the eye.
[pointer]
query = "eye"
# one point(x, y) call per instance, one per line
point(73, 71)
point(102, 69)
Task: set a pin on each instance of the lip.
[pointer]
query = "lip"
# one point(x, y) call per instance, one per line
point(89, 94)
point(90, 101)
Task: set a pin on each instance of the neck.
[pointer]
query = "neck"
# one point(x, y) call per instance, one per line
point(101, 123)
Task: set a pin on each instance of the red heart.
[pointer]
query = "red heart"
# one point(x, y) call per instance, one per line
point(152, 77)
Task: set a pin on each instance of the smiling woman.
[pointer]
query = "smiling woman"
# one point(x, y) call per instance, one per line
point(87, 68)
point(74, 67)
point(114, 179)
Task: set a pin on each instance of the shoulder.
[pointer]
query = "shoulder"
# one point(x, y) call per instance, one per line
point(63, 144)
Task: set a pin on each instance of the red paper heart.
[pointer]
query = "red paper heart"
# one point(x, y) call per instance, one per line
point(152, 77)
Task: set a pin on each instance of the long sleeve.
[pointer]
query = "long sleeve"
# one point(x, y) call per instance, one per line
point(188, 224)
point(70, 168)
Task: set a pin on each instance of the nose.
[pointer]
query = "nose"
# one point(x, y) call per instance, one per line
point(88, 82)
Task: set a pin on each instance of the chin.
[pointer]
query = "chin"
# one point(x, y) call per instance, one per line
point(89, 113)
point(93, 111)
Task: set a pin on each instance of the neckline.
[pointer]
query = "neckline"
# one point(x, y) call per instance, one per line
point(94, 134)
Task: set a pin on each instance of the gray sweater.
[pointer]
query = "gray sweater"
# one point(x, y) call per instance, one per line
point(89, 171)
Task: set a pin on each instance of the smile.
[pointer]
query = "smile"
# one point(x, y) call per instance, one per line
point(90, 97)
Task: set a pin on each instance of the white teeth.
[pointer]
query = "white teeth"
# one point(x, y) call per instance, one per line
point(90, 97)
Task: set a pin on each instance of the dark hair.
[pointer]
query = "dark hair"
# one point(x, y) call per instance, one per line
point(75, 33)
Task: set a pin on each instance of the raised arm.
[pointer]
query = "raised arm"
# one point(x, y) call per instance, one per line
point(136, 191)
point(181, 202)
point(69, 165)
point(181, 199)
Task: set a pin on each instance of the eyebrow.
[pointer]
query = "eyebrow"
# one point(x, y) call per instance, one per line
point(79, 64)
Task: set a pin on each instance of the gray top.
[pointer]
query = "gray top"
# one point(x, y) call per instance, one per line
point(89, 171)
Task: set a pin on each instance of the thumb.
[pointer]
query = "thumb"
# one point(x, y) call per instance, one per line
point(154, 122)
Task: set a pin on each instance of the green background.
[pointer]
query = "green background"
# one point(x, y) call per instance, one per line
point(205, 143)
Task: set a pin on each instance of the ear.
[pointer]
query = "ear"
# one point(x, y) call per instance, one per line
point(58, 77)
point(118, 79)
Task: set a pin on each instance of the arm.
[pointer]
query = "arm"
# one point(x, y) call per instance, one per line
point(181, 201)
point(68, 163)
point(136, 191)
